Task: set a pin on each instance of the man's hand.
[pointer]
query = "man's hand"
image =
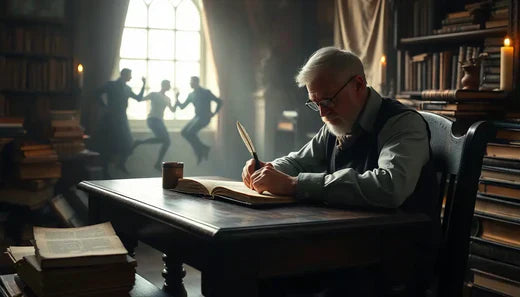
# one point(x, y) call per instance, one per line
point(248, 169)
point(144, 80)
point(177, 93)
point(269, 179)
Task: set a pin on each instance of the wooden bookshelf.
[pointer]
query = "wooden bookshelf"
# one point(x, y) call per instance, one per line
point(36, 53)
point(427, 61)
point(454, 37)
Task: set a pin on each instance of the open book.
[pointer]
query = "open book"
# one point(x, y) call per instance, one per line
point(84, 246)
point(230, 190)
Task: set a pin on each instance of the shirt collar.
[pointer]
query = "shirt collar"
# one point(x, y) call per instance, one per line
point(367, 117)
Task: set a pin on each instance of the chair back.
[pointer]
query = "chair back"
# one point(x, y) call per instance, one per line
point(458, 162)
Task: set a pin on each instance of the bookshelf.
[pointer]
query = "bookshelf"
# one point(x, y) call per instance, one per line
point(36, 53)
point(37, 85)
point(430, 47)
point(427, 49)
point(453, 37)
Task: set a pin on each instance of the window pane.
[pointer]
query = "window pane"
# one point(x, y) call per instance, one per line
point(136, 110)
point(187, 46)
point(162, 15)
point(136, 14)
point(188, 17)
point(159, 71)
point(175, 3)
point(161, 44)
point(133, 43)
point(184, 71)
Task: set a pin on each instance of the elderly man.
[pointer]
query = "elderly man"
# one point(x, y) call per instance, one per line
point(371, 152)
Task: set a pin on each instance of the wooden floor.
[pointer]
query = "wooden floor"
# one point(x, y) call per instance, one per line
point(150, 265)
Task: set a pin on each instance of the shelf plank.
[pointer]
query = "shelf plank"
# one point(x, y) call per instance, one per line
point(454, 37)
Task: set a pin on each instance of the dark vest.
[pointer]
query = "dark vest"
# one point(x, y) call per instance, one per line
point(363, 155)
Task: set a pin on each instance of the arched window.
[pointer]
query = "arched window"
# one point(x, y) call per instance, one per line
point(162, 39)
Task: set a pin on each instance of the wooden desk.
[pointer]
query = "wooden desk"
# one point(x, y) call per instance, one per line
point(234, 246)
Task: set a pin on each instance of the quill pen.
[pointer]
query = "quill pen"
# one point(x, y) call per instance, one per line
point(249, 144)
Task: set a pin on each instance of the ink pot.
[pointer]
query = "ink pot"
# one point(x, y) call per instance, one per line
point(171, 172)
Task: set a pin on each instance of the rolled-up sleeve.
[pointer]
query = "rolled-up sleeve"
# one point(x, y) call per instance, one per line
point(404, 150)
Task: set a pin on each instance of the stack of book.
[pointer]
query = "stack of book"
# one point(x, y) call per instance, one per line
point(457, 103)
point(494, 260)
point(37, 162)
point(472, 18)
point(490, 66)
point(499, 15)
point(86, 261)
point(33, 171)
point(67, 133)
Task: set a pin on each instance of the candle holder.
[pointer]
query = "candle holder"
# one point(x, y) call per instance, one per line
point(471, 78)
point(471, 68)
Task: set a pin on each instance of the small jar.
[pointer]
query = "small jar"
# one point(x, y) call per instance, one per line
point(171, 172)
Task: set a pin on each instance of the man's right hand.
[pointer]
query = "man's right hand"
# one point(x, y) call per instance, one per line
point(249, 169)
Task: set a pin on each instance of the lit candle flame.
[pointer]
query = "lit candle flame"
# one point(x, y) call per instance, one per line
point(507, 42)
point(383, 59)
point(80, 68)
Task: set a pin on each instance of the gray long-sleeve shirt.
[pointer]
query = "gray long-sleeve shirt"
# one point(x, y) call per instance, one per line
point(404, 150)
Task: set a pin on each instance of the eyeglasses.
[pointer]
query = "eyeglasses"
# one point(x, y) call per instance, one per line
point(326, 102)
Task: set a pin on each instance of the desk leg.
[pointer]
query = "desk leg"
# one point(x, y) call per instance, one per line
point(173, 274)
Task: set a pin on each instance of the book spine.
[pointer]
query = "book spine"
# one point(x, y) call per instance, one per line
point(495, 252)
point(509, 271)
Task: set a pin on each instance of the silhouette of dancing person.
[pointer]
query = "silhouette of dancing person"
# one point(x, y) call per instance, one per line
point(201, 99)
point(113, 139)
point(159, 102)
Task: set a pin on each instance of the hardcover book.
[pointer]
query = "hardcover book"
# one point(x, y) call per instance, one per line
point(504, 189)
point(505, 270)
point(497, 206)
point(500, 174)
point(83, 246)
point(498, 229)
point(495, 250)
point(504, 163)
point(495, 283)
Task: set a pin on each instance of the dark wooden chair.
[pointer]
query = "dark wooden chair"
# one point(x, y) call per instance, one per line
point(458, 161)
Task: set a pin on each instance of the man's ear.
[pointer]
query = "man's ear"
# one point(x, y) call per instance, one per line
point(360, 83)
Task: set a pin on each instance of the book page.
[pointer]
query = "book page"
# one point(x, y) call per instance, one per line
point(238, 190)
point(191, 186)
point(18, 252)
point(77, 242)
point(10, 285)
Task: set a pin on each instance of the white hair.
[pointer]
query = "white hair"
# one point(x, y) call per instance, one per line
point(336, 61)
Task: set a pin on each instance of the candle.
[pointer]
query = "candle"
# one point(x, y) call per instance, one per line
point(506, 66)
point(383, 74)
point(80, 76)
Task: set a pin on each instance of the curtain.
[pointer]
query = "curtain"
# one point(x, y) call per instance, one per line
point(97, 39)
point(359, 27)
point(232, 43)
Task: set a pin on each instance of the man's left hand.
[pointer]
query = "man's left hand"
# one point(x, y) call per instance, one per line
point(269, 179)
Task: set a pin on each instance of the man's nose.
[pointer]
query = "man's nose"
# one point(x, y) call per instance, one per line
point(323, 110)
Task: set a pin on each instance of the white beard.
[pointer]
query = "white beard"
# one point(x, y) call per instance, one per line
point(339, 130)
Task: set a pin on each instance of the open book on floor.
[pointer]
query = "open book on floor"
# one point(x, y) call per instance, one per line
point(229, 190)
point(83, 246)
